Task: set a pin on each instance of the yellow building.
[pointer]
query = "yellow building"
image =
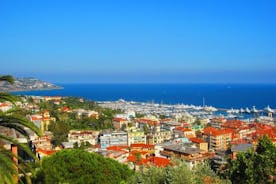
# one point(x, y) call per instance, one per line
point(46, 120)
point(136, 136)
point(162, 136)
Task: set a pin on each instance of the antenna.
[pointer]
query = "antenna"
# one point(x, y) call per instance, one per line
point(203, 101)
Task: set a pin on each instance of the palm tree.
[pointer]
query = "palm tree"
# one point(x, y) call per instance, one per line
point(10, 120)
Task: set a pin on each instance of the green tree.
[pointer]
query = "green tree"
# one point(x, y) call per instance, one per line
point(255, 166)
point(60, 131)
point(78, 166)
point(178, 173)
point(197, 121)
point(11, 120)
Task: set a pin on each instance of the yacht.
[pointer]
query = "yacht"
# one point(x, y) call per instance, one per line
point(254, 110)
point(247, 110)
point(268, 109)
point(210, 109)
point(232, 111)
point(242, 110)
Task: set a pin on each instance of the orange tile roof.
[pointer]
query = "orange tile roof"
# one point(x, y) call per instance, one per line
point(35, 118)
point(4, 104)
point(156, 161)
point(197, 140)
point(159, 161)
point(119, 119)
point(147, 121)
point(235, 124)
point(46, 152)
point(216, 132)
point(65, 109)
point(141, 145)
point(117, 148)
point(183, 129)
point(139, 152)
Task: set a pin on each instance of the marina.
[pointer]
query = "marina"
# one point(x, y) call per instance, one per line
point(204, 112)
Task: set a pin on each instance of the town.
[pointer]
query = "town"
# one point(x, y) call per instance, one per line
point(134, 137)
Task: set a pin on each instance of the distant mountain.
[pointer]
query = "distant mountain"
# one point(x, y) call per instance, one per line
point(27, 84)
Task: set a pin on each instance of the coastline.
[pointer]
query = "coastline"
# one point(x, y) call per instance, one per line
point(39, 89)
point(220, 96)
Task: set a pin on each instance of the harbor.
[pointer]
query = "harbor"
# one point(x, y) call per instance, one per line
point(203, 112)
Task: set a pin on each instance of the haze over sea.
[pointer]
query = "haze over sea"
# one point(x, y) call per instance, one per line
point(218, 95)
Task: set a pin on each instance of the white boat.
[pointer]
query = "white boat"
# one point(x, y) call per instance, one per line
point(242, 110)
point(268, 109)
point(247, 110)
point(254, 110)
point(232, 111)
point(210, 109)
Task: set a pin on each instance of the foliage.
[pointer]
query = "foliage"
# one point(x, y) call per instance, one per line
point(7, 78)
point(79, 103)
point(14, 121)
point(162, 116)
point(79, 166)
point(60, 131)
point(255, 166)
point(178, 173)
point(197, 121)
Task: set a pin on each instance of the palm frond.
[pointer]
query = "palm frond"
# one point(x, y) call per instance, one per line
point(7, 166)
point(13, 120)
point(19, 145)
point(8, 97)
point(7, 78)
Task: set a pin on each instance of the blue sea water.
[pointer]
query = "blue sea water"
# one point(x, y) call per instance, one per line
point(218, 95)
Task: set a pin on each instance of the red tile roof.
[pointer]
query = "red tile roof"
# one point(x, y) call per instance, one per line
point(159, 161)
point(35, 118)
point(45, 152)
point(216, 132)
point(197, 140)
point(182, 129)
point(236, 125)
point(147, 121)
point(65, 109)
point(4, 104)
point(142, 145)
point(119, 119)
point(117, 148)
point(152, 160)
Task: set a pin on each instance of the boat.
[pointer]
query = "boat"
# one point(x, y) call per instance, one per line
point(210, 109)
point(242, 110)
point(268, 109)
point(232, 111)
point(247, 110)
point(254, 110)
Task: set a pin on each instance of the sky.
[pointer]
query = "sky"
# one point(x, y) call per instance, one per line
point(139, 41)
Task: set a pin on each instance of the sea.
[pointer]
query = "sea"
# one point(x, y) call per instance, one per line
point(217, 95)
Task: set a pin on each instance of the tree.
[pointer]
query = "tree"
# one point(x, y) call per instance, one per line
point(11, 120)
point(178, 173)
point(60, 131)
point(79, 166)
point(255, 166)
point(197, 121)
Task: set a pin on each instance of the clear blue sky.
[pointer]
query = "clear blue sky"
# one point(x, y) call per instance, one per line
point(195, 41)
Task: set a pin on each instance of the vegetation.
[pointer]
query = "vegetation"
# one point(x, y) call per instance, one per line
point(78, 166)
point(66, 121)
point(255, 166)
point(12, 120)
point(178, 173)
